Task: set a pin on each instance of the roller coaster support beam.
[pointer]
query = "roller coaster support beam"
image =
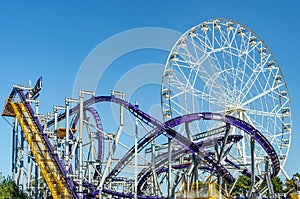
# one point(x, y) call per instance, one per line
point(156, 186)
point(116, 140)
point(136, 155)
point(67, 141)
point(37, 103)
point(169, 168)
point(268, 178)
point(80, 136)
point(194, 176)
point(55, 110)
point(67, 135)
point(221, 152)
point(29, 169)
point(21, 87)
point(251, 189)
point(21, 172)
point(36, 181)
point(36, 168)
point(224, 143)
point(15, 148)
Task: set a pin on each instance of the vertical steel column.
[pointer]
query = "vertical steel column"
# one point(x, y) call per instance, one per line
point(55, 128)
point(116, 140)
point(169, 167)
point(28, 171)
point(252, 143)
point(81, 96)
point(153, 162)
point(108, 167)
point(18, 137)
point(92, 156)
point(80, 137)
point(21, 172)
point(67, 135)
point(14, 147)
point(109, 163)
point(153, 165)
point(36, 182)
point(136, 154)
point(37, 173)
point(67, 140)
point(37, 103)
point(244, 134)
point(268, 178)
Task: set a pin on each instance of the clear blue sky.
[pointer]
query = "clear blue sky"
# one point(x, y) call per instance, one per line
point(52, 39)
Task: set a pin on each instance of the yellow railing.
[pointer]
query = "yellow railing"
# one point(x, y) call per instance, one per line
point(200, 190)
point(45, 160)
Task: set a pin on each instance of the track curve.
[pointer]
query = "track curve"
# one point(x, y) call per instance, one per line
point(160, 128)
point(146, 173)
point(186, 143)
point(98, 125)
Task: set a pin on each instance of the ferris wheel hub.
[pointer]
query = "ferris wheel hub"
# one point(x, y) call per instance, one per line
point(222, 66)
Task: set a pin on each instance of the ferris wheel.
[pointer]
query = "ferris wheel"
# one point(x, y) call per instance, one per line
point(222, 66)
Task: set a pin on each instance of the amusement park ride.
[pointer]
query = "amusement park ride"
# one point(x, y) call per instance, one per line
point(226, 111)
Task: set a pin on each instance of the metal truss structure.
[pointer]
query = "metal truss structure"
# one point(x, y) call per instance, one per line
point(243, 127)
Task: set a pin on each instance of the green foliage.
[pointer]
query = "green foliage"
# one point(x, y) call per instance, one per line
point(290, 186)
point(277, 185)
point(242, 186)
point(10, 190)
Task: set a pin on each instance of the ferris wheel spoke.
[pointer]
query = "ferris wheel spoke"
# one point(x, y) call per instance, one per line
point(252, 79)
point(221, 74)
point(205, 77)
point(186, 57)
point(214, 57)
point(197, 93)
point(264, 113)
point(182, 75)
point(228, 69)
point(255, 124)
point(190, 67)
point(239, 55)
point(249, 84)
point(209, 98)
point(182, 110)
point(233, 39)
point(202, 41)
point(198, 74)
point(218, 60)
point(261, 95)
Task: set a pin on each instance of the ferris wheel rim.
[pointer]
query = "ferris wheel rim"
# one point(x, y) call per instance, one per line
point(272, 57)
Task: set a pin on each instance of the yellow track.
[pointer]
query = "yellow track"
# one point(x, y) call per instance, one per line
point(45, 160)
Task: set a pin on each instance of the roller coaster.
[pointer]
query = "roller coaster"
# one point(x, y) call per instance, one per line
point(68, 153)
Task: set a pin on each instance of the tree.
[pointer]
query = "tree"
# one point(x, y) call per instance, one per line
point(277, 185)
point(290, 185)
point(9, 189)
point(242, 186)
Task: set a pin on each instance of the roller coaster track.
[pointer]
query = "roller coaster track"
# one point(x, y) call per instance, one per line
point(146, 173)
point(159, 127)
point(51, 167)
point(54, 172)
point(166, 128)
point(99, 127)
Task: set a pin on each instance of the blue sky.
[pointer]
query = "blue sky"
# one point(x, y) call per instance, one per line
point(53, 38)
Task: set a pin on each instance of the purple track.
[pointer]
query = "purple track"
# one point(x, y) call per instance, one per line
point(160, 128)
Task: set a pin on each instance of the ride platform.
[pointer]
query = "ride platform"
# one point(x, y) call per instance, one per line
point(200, 190)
